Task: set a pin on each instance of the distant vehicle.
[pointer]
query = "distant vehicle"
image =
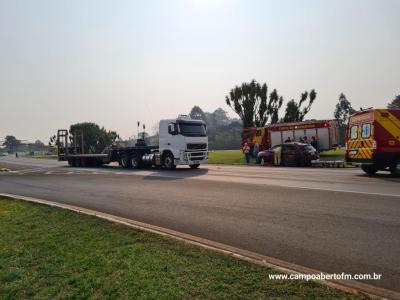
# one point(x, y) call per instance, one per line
point(325, 131)
point(182, 141)
point(292, 154)
point(373, 140)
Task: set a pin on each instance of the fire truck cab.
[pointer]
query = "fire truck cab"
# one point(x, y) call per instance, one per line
point(373, 140)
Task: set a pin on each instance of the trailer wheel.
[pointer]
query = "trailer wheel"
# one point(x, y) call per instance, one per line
point(195, 166)
point(395, 167)
point(169, 161)
point(135, 162)
point(125, 162)
point(369, 169)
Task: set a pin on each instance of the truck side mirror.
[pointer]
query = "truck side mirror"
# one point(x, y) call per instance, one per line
point(172, 129)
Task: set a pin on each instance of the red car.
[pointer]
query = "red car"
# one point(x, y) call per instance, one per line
point(292, 154)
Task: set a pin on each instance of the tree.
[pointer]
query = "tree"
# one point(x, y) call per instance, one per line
point(197, 113)
point(343, 110)
point(294, 111)
point(395, 102)
point(95, 139)
point(251, 102)
point(10, 142)
point(39, 143)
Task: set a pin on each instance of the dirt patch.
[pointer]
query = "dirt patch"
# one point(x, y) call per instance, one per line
point(11, 167)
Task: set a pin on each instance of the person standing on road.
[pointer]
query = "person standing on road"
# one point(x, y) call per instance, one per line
point(246, 152)
point(277, 155)
point(314, 143)
point(256, 150)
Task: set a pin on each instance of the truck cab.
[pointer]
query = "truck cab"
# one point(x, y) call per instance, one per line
point(183, 141)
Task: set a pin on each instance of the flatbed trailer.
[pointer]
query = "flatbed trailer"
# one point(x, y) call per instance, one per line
point(182, 142)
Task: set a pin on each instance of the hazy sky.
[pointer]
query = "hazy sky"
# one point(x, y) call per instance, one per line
point(117, 62)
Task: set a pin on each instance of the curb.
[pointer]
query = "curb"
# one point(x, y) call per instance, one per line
point(349, 286)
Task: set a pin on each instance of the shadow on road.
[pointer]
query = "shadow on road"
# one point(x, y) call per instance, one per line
point(177, 174)
point(381, 176)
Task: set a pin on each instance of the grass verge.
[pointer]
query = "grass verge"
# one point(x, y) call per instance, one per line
point(41, 156)
point(227, 157)
point(46, 252)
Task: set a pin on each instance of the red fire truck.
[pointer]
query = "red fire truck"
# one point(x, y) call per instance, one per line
point(325, 131)
point(373, 140)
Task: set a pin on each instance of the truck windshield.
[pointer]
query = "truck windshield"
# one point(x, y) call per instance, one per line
point(192, 129)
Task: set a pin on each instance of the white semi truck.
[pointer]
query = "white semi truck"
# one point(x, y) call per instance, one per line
point(182, 141)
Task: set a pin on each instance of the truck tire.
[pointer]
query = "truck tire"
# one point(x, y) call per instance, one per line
point(195, 166)
point(77, 162)
point(71, 162)
point(168, 161)
point(135, 162)
point(369, 169)
point(84, 162)
point(395, 167)
point(125, 162)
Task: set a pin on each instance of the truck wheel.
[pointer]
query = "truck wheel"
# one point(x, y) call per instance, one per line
point(77, 162)
point(169, 161)
point(395, 167)
point(369, 169)
point(135, 162)
point(125, 162)
point(71, 162)
point(84, 162)
point(195, 166)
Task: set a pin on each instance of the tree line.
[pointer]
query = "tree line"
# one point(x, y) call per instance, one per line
point(252, 102)
point(256, 106)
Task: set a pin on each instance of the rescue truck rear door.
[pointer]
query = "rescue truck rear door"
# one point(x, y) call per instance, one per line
point(360, 144)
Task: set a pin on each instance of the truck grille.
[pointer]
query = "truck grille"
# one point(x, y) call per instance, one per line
point(196, 146)
point(194, 155)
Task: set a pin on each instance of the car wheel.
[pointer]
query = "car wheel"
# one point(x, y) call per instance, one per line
point(169, 161)
point(369, 169)
point(395, 167)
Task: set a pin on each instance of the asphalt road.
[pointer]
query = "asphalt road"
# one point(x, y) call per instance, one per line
point(333, 220)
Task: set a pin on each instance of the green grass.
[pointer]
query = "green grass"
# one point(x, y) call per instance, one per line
point(335, 154)
point(51, 253)
point(41, 156)
point(227, 157)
